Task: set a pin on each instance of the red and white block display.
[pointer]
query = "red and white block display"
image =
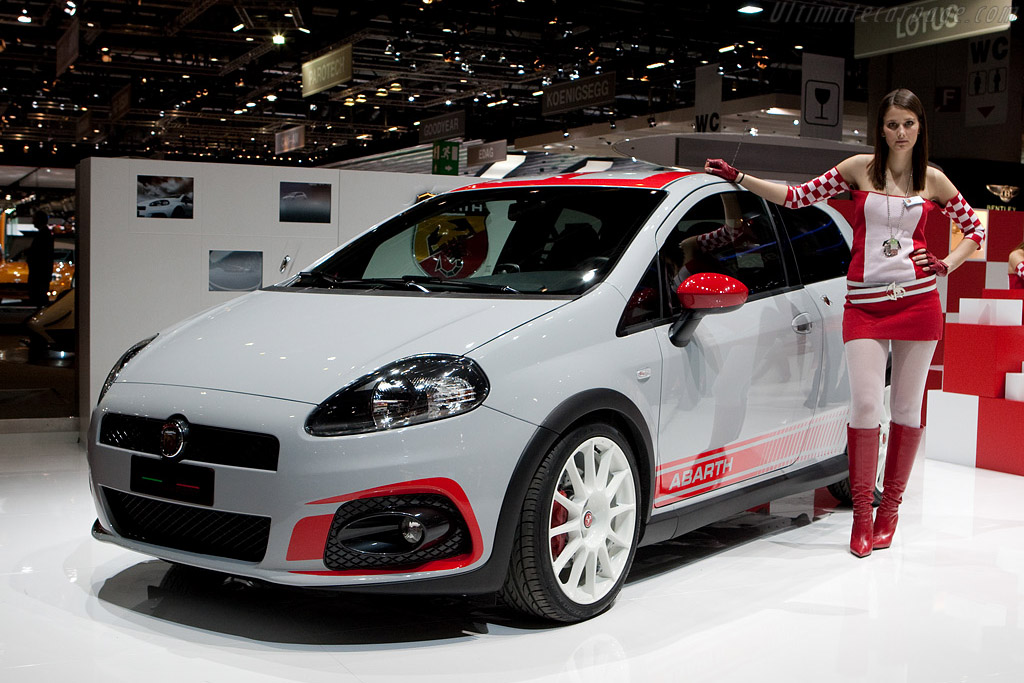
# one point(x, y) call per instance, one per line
point(974, 419)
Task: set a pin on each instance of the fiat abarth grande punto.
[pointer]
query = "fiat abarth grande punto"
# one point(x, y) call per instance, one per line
point(504, 389)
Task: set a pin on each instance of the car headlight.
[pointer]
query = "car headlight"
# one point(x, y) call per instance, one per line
point(407, 392)
point(121, 362)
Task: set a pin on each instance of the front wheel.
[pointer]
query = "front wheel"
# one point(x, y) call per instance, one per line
point(578, 528)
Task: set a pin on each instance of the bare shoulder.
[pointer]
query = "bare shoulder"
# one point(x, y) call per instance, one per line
point(938, 186)
point(1016, 257)
point(855, 170)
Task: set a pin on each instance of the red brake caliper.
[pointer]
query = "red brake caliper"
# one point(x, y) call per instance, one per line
point(559, 516)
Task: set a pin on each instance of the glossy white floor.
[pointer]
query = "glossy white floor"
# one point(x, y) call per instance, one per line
point(762, 597)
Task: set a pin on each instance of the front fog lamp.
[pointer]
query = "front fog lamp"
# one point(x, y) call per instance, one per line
point(410, 391)
point(119, 365)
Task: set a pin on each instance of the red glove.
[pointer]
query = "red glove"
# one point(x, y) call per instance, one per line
point(928, 261)
point(721, 169)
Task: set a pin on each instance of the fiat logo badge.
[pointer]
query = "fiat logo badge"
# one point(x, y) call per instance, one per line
point(173, 436)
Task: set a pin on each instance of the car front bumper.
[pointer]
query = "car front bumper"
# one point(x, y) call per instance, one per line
point(466, 460)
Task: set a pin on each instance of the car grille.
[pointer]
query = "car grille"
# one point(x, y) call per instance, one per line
point(183, 527)
point(214, 445)
point(338, 557)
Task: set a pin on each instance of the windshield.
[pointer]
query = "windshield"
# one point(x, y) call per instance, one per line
point(520, 240)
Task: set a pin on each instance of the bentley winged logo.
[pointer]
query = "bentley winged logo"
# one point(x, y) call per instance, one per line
point(1004, 192)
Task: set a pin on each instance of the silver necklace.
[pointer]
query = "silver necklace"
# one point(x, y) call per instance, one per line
point(891, 246)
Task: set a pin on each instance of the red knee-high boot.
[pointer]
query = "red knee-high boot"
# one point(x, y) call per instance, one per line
point(862, 447)
point(899, 459)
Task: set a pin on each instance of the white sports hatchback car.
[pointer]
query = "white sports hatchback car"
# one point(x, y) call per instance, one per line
point(506, 388)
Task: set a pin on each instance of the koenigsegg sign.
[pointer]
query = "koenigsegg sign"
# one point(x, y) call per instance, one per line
point(583, 92)
point(327, 71)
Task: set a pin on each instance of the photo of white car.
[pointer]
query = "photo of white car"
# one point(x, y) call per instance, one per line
point(505, 388)
point(166, 207)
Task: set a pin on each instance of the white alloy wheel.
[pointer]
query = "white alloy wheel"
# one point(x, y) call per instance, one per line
point(593, 521)
point(578, 528)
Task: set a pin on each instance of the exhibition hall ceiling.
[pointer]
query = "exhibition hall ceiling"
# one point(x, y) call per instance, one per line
point(212, 80)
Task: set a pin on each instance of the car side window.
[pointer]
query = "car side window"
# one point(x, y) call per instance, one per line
point(821, 250)
point(729, 233)
point(644, 307)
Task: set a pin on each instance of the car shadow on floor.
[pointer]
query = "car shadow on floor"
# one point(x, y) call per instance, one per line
point(238, 607)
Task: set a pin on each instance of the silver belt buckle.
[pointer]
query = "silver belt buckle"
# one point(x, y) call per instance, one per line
point(894, 291)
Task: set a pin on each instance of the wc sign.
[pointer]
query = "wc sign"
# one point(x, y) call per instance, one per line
point(988, 67)
point(707, 99)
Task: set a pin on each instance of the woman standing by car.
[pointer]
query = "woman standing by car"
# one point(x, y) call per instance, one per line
point(891, 298)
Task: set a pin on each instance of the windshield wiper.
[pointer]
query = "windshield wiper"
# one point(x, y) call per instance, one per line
point(417, 282)
point(320, 279)
point(462, 284)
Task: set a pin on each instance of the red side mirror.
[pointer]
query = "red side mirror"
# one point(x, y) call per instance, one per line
point(711, 292)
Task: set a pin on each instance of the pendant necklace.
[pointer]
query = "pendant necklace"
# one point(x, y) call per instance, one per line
point(891, 246)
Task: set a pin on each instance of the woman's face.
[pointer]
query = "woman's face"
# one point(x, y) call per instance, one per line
point(900, 127)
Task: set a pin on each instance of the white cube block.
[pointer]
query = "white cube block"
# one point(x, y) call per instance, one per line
point(952, 434)
point(991, 311)
point(1015, 386)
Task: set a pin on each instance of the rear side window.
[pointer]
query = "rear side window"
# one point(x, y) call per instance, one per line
point(820, 249)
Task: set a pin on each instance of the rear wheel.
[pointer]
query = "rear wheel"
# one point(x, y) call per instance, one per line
point(578, 528)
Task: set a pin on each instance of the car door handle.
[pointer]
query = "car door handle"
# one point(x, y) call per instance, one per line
point(803, 323)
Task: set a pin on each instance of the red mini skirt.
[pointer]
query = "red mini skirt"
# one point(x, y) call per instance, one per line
point(909, 318)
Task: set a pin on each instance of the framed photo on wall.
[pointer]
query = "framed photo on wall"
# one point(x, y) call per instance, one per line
point(164, 197)
point(235, 271)
point(305, 202)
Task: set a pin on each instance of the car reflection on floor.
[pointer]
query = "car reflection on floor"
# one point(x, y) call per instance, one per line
point(239, 607)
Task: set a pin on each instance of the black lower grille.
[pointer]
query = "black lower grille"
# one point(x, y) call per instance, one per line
point(183, 527)
point(338, 557)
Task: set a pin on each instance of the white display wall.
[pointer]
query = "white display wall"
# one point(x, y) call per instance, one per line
point(138, 275)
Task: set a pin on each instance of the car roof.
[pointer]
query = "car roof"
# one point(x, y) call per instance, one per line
point(655, 180)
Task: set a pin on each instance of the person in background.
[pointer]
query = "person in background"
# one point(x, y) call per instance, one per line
point(1016, 267)
point(40, 261)
point(892, 299)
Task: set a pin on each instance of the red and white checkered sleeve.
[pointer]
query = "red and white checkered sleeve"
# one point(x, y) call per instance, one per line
point(828, 184)
point(1019, 270)
point(963, 215)
point(719, 237)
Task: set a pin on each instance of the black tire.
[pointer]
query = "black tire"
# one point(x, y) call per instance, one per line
point(602, 528)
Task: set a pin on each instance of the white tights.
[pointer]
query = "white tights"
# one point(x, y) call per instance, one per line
point(866, 359)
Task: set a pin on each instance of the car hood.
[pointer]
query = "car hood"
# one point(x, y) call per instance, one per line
point(304, 346)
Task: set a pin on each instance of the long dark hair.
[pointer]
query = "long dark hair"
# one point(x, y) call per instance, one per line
point(904, 99)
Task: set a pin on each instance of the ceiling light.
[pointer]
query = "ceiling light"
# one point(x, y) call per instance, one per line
point(24, 17)
point(278, 39)
point(239, 111)
point(537, 93)
point(304, 29)
point(496, 103)
point(798, 47)
point(727, 48)
point(656, 65)
point(250, 104)
point(271, 97)
point(238, 28)
point(750, 9)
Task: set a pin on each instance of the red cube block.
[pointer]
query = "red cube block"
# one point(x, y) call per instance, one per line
point(999, 444)
point(977, 358)
point(1003, 294)
point(968, 282)
point(1005, 232)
